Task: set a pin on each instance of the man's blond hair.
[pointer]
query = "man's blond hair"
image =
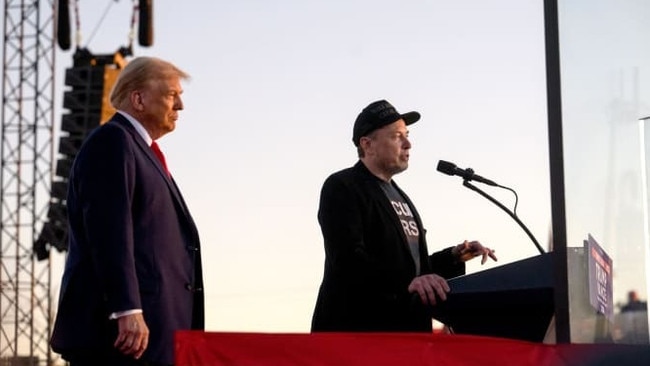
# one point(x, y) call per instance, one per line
point(140, 73)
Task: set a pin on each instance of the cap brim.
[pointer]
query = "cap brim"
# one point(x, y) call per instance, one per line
point(411, 117)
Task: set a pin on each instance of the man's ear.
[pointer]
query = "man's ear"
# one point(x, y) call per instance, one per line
point(137, 101)
point(365, 142)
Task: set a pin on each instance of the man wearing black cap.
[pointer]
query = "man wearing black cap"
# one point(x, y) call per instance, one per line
point(376, 256)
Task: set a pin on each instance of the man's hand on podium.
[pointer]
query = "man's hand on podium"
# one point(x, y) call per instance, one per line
point(472, 249)
point(428, 287)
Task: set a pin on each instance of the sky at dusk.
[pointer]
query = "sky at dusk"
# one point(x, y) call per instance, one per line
point(275, 88)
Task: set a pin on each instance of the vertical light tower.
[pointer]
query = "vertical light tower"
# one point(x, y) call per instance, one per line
point(25, 175)
point(32, 196)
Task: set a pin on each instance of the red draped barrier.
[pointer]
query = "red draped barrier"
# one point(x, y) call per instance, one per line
point(194, 348)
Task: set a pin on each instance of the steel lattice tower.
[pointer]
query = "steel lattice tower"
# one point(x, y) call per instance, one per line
point(25, 179)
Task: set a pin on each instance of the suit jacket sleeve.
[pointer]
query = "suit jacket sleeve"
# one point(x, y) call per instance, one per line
point(341, 223)
point(105, 176)
point(444, 264)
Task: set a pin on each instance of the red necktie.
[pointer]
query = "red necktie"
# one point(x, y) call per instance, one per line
point(161, 157)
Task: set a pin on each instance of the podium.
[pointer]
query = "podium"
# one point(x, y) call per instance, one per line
point(514, 301)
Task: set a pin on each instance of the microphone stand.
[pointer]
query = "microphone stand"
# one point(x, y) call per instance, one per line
point(467, 184)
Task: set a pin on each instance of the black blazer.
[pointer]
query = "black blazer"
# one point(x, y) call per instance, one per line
point(368, 265)
point(132, 244)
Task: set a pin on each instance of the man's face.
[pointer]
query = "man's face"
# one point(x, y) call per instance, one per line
point(388, 148)
point(162, 101)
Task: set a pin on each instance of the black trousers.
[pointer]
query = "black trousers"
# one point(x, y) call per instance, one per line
point(105, 357)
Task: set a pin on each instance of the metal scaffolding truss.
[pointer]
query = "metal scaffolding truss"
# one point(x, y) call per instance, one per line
point(25, 179)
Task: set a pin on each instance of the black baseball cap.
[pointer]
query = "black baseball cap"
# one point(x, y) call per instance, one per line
point(377, 115)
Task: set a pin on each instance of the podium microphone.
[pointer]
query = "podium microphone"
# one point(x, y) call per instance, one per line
point(467, 174)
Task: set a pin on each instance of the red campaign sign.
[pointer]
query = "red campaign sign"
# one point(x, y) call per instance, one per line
point(600, 278)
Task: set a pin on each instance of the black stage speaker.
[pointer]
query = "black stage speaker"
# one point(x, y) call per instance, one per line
point(89, 83)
